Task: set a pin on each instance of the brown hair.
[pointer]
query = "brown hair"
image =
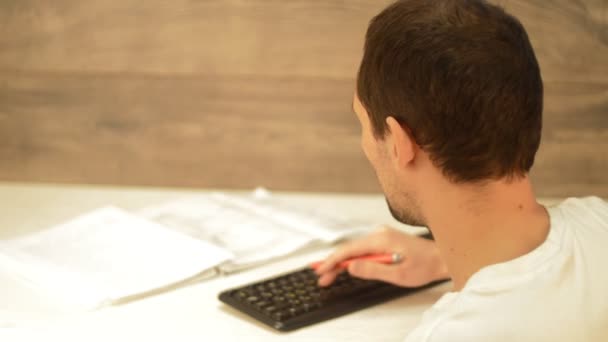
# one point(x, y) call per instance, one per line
point(463, 77)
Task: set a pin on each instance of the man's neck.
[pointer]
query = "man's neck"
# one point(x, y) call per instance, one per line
point(478, 226)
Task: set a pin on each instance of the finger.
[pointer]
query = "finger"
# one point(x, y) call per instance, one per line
point(327, 278)
point(375, 271)
point(355, 248)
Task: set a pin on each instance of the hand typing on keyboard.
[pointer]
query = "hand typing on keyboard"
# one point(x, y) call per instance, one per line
point(421, 262)
point(299, 298)
point(294, 300)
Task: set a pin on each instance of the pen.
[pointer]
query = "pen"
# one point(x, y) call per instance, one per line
point(386, 258)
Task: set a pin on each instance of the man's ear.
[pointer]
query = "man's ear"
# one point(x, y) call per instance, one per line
point(404, 148)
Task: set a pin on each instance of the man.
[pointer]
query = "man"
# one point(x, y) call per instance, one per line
point(449, 97)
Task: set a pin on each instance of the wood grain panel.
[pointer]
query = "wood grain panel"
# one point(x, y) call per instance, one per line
point(311, 38)
point(570, 39)
point(234, 93)
point(284, 133)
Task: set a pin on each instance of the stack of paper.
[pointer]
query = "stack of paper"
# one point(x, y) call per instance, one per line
point(106, 256)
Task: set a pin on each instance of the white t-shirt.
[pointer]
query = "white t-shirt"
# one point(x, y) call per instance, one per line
point(557, 292)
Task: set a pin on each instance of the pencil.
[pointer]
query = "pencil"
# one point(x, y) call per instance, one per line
point(386, 258)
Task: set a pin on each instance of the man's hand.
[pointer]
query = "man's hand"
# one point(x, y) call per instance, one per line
point(421, 262)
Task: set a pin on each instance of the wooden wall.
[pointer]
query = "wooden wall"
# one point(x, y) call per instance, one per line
point(239, 93)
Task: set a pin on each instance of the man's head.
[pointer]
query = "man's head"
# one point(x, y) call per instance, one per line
point(454, 83)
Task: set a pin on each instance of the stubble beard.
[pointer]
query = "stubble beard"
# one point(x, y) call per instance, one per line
point(408, 214)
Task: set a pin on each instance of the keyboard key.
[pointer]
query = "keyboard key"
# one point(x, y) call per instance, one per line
point(296, 310)
point(261, 304)
point(270, 309)
point(280, 316)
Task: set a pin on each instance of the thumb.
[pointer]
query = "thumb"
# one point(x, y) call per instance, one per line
point(373, 270)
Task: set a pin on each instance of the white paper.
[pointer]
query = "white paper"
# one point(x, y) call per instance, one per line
point(256, 229)
point(250, 237)
point(323, 225)
point(105, 256)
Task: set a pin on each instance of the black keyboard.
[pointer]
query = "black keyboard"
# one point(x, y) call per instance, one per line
point(293, 300)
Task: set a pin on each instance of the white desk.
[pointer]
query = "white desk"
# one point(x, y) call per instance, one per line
point(190, 313)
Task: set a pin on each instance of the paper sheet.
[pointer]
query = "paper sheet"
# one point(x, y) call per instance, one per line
point(106, 255)
point(318, 222)
point(250, 237)
point(255, 230)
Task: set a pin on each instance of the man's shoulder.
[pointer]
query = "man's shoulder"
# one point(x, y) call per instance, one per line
point(590, 212)
point(508, 321)
point(505, 312)
point(588, 201)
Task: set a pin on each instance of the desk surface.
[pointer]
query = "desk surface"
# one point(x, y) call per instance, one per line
point(191, 312)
